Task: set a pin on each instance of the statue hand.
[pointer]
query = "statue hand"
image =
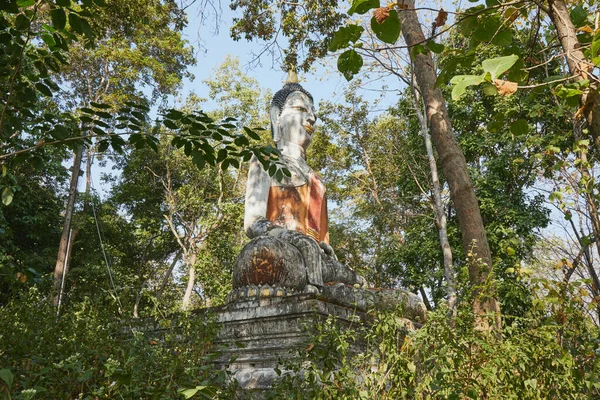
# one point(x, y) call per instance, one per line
point(327, 249)
point(288, 234)
point(261, 227)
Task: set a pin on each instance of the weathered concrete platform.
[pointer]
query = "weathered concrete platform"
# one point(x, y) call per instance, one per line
point(258, 334)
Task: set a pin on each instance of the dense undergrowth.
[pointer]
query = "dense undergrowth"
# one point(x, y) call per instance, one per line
point(90, 353)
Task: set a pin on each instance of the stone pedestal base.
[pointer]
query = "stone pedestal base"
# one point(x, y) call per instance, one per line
point(257, 334)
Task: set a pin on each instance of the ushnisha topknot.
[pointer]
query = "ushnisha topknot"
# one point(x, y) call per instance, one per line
point(281, 96)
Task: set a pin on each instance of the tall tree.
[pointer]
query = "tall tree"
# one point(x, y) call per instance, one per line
point(130, 52)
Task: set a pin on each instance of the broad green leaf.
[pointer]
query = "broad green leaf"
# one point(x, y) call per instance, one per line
point(486, 28)
point(503, 38)
point(59, 18)
point(461, 82)
point(189, 393)
point(44, 89)
point(389, 30)
point(7, 197)
point(578, 16)
point(349, 63)
point(489, 89)
point(362, 6)
point(25, 3)
point(467, 25)
point(63, 3)
point(497, 66)
point(344, 36)
point(22, 22)
point(100, 3)
point(435, 47)
point(103, 146)
point(418, 49)
point(520, 127)
point(75, 22)
point(4, 170)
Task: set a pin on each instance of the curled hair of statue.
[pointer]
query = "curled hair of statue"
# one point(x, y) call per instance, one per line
point(282, 94)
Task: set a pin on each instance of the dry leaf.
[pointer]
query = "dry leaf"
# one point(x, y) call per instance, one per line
point(586, 29)
point(441, 18)
point(505, 88)
point(310, 347)
point(21, 277)
point(381, 14)
point(584, 69)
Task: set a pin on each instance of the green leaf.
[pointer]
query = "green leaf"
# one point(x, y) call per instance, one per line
point(578, 16)
point(497, 66)
point(100, 3)
point(418, 49)
point(7, 197)
point(63, 3)
point(170, 124)
point(520, 127)
point(103, 146)
point(22, 22)
point(489, 89)
point(252, 134)
point(344, 36)
point(349, 63)
point(59, 18)
point(87, 29)
point(486, 28)
point(100, 105)
point(503, 38)
point(467, 26)
point(435, 47)
point(25, 3)
point(362, 6)
point(389, 30)
point(461, 82)
point(103, 114)
point(75, 22)
point(221, 155)
point(44, 89)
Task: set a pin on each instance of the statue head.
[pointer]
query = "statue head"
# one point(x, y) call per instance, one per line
point(292, 115)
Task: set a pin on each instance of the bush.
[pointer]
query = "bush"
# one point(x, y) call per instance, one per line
point(550, 353)
point(89, 352)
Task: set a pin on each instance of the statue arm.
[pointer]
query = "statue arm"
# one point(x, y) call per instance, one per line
point(257, 196)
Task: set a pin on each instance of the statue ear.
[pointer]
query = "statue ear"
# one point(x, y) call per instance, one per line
point(275, 131)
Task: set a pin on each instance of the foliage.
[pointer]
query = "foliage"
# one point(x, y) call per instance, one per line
point(303, 24)
point(550, 352)
point(91, 352)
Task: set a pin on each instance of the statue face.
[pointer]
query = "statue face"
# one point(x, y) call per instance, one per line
point(297, 120)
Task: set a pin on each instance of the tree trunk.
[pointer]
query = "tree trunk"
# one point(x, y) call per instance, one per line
point(454, 167)
point(185, 304)
point(60, 270)
point(578, 66)
point(439, 209)
point(166, 276)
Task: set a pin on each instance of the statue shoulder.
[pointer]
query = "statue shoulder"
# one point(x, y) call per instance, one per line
point(300, 172)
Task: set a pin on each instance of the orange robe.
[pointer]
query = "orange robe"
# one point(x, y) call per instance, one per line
point(301, 208)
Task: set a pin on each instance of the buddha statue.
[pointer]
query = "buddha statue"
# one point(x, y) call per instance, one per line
point(290, 215)
point(287, 223)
